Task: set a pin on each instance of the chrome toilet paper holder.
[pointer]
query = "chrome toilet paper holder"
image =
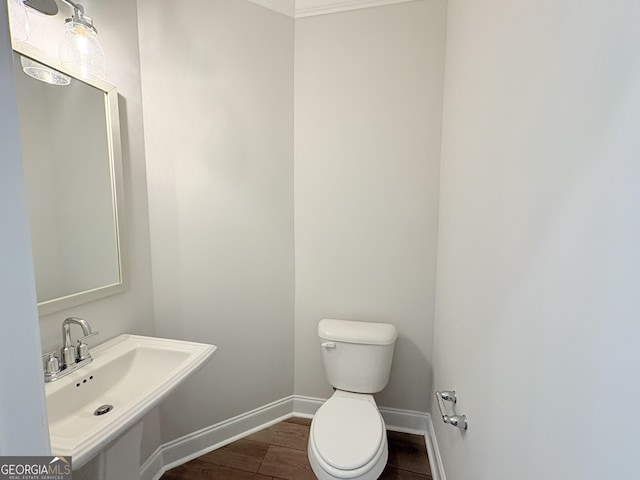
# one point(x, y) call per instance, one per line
point(459, 421)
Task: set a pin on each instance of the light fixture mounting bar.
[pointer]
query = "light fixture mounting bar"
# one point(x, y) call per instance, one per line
point(79, 16)
point(76, 6)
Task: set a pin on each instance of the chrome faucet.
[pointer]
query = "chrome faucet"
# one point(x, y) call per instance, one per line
point(68, 351)
point(71, 357)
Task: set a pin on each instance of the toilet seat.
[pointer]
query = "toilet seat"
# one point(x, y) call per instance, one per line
point(348, 436)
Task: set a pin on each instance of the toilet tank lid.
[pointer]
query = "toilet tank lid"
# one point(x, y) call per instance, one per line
point(350, 331)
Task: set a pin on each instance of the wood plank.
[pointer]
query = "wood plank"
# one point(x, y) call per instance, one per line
point(283, 434)
point(242, 454)
point(196, 470)
point(408, 452)
point(300, 421)
point(287, 464)
point(392, 473)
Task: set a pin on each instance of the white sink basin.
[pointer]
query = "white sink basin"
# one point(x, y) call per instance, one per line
point(131, 373)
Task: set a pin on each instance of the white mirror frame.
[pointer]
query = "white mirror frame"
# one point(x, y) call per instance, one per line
point(115, 156)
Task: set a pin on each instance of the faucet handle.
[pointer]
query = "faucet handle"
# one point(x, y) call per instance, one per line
point(83, 348)
point(68, 356)
point(51, 363)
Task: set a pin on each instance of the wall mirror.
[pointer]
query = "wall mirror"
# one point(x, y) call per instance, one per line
point(71, 150)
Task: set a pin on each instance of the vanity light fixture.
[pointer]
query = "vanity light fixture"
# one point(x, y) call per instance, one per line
point(79, 48)
point(43, 73)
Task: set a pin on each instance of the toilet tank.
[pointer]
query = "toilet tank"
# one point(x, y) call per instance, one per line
point(357, 355)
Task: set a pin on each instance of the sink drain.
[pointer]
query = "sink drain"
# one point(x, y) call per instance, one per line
point(102, 410)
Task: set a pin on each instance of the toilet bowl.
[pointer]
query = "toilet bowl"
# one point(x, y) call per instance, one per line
point(348, 439)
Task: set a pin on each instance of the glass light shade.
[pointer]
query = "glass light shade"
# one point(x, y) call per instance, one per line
point(18, 20)
point(81, 53)
point(43, 73)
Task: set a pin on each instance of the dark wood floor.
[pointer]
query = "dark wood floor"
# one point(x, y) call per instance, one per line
point(279, 452)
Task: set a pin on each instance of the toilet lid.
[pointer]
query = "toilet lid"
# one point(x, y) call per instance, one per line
point(347, 432)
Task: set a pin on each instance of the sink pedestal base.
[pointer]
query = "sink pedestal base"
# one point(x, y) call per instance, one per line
point(119, 461)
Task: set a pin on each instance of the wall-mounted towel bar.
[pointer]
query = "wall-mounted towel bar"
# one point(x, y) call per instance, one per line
point(459, 421)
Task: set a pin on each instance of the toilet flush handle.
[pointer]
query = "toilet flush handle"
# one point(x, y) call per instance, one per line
point(329, 345)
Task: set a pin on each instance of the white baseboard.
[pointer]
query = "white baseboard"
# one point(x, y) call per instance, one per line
point(193, 445)
point(153, 468)
point(198, 443)
point(435, 460)
point(306, 407)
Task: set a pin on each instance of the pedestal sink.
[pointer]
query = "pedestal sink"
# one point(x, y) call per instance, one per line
point(95, 412)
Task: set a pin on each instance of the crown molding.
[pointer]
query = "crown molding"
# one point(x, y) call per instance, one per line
point(285, 7)
point(308, 8)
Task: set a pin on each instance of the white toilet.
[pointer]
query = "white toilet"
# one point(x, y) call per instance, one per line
point(348, 436)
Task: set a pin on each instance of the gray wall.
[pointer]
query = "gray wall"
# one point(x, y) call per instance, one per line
point(218, 98)
point(368, 103)
point(537, 293)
